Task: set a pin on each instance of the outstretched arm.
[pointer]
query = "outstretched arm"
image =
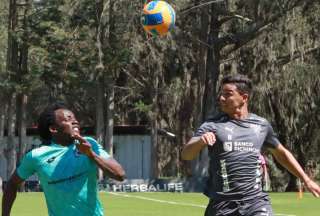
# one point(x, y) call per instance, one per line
point(109, 166)
point(287, 160)
point(192, 148)
point(10, 193)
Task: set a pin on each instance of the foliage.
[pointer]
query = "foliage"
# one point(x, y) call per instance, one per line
point(3, 38)
point(175, 77)
point(283, 63)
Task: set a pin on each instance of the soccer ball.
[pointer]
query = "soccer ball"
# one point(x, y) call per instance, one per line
point(158, 17)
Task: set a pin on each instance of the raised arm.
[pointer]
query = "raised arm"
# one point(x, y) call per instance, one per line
point(192, 148)
point(10, 193)
point(287, 160)
point(109, 166)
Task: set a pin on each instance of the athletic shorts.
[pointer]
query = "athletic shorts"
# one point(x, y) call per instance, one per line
point(256, 207)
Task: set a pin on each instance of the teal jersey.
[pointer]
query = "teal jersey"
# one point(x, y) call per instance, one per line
point(68, 178)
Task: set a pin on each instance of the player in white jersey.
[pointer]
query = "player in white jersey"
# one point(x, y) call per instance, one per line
point(234, 140)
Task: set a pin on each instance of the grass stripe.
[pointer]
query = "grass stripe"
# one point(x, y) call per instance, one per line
point(172, 202)
point(166, 204)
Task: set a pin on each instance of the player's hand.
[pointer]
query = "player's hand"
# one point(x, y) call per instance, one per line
point(208, 138)
point(313, 187)
point(84, 146)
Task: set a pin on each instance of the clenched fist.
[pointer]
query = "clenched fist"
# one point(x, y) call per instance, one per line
point(208, 138)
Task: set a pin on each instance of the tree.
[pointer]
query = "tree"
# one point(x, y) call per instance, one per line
point(97, 57)
point(283, 64)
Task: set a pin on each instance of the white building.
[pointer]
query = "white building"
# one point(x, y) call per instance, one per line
point(132, 149)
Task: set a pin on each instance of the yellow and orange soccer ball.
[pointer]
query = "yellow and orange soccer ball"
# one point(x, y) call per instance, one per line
point(158, 18)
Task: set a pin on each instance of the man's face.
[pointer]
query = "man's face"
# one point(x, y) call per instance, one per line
point(230, 99)
point(66, 124)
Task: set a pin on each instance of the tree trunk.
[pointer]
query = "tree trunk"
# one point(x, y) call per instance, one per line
point(100, 127)
point(110, 76)
point(22, 71)
point(109, 116)
point(154, 126)
point(212, 72)
point(154, 148)
point(12, 53)
point(3, 160)
point(11, 145)
point(212, 67)
point(22, 100)
point(203, 50)
point(292, 184)
point(21, 126)
point(12, 68)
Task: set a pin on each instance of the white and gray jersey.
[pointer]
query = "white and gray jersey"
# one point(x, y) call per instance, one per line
point(234, 169)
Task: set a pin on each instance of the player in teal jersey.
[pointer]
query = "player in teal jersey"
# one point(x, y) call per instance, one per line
point(234, 140)
point(66, 165)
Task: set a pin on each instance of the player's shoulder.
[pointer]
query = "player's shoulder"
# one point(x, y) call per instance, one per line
point(38, 151)
point(211, 123)
point(258, 119)
point(91, 140)
point(97, 147)
point(218, 118)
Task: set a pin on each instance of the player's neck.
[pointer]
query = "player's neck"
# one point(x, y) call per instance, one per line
point(241, 113)
point(61, 142)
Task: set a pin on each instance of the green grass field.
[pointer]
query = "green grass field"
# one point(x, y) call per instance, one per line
point(167, 204)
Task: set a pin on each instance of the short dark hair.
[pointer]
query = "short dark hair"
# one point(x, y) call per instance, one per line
point(242, 82)
point(46, 119)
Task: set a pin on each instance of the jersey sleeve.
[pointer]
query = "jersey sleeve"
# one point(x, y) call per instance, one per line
point(27, 166)
point(205, 127)
point(97, 148)
point(271, 140)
